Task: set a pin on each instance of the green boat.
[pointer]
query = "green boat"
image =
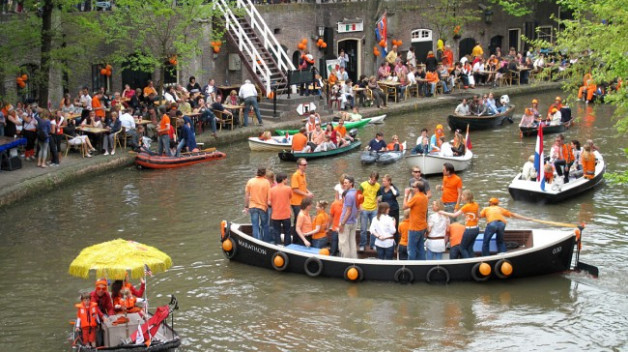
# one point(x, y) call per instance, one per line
point(290, 156)
point(348, 125)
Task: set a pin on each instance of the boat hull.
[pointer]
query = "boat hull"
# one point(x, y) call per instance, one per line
point(480, 122)
point(382, 158)
point(533, 131)
point(553, 256)
point(290, 156)
point(433, 164)
point(257, 145)
point(167, 162)
point(348, 125)
point(531, 191)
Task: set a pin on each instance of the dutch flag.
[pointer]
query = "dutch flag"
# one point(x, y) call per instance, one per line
point(539, 159)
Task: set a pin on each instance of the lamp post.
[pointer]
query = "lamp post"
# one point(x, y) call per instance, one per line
point(488, 16)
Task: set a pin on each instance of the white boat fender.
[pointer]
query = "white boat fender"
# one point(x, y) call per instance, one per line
point(435, 270)
point(503, 268)
point(481, 272)
point(313, 266)
point(404, 276)
point(279, 261)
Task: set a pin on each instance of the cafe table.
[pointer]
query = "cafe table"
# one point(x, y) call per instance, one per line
point(96, 131)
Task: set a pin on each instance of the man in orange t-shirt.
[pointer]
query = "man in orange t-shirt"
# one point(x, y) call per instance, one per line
point(496, 224)
point(256, 203)
point(163, 131)
point(335, 211)
point(279, 200)
point(456, 230)
point(416, 200)
point(299, 142)
point(150, 94)
point(97, 106)
point(298, 183)
point(451, 187)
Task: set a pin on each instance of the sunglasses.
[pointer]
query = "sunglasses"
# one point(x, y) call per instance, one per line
point(303, 164)
point(416, 172)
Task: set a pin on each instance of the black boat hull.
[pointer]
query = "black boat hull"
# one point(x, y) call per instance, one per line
point(480, 122)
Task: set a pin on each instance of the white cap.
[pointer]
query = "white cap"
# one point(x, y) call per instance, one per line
point(247, 81)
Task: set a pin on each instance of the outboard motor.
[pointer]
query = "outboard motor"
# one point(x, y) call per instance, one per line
point(565, 114)
point(353, 132)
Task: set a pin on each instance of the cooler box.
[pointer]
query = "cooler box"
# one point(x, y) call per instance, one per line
point(116, 334)
point(477, 246)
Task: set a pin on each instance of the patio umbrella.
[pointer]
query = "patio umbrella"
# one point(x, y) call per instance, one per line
point(114, 259)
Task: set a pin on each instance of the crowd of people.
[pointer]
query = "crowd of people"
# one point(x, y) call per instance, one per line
point(280, 209)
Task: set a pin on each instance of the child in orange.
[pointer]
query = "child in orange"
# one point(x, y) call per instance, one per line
point(404, 226)
point(321, 224)
point(334, 212)
point(87, 320)
point(454, 234)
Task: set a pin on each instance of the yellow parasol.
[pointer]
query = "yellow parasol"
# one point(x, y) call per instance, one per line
point(114, 259)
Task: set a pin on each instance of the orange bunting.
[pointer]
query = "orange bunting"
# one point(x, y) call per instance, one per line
point(382, 43)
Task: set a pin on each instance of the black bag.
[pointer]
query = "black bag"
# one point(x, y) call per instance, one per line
point(41, 135)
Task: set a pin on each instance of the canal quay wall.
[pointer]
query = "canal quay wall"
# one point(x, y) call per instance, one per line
point(31, 181)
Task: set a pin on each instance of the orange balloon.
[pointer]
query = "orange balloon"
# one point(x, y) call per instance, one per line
point(382, 43)
point(279, 262)
point(108, 73)
point(324, 45)
point(103, 71)
point(227, 246)
point(399, 42)
point(108, 67)
point(352, 274)
point(218, 42)
point(25, 77)
point(21, 84)
point(304, 40)
point(216, 49)
point(18, 80)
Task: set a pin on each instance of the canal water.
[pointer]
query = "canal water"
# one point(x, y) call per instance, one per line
point(234, 307)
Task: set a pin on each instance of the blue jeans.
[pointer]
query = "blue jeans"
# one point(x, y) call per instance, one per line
point(385, 253)
point(433, 255)
point(333, 243)
point(259, 221)
point(450, 207)
point(281, 226)
point(366, 216)
point(467, 242)
point(319, 243)
point(416, 247)
point(295, 212)
point(180, 147)
point(209, 117)
point(454, 252)
point(248, 102)
point(164, 145)
point(494, 227)
point(402, 252)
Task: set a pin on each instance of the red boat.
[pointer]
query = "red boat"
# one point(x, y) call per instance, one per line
point(154, 161)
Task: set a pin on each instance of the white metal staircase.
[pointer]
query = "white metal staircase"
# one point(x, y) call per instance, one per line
point(258, 48)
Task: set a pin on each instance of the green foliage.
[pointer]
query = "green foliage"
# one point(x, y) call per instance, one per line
point(516, 8)
point(447, 14)
point(619, 177)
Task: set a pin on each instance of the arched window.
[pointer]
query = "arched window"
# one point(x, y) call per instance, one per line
point(421, 35)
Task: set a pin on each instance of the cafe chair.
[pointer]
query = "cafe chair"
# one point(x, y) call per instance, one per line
point(116, 139)
point(410, 89)
point(223, 119)
point(80, 147)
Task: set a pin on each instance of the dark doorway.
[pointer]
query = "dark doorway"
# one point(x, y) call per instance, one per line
point(134, 75)
point(421, 49)
point(514, 37)
point(496, 42)
point(465, 47)
point(296, 59)
point(350, 47)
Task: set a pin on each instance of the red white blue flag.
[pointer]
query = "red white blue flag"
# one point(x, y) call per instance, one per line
point(381, 30)
point(539, 159)
point(468, 139)
point(147, 271)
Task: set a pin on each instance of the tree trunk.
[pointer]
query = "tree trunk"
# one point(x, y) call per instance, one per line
point(46, 48)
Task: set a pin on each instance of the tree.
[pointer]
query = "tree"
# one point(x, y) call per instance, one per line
point(159, 33)
point(451, 16)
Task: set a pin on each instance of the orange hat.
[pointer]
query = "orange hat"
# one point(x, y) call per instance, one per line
point(554, 110)
point(558, 98)
point(528, 112)
point(439, 127)
point(534, 101)
point(493, 201)
point(101, 283)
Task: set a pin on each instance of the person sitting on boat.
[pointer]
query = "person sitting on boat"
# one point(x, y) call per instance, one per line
point(435, 141)
point(556, 105)
point(587, 159)
point(437, 225)
point(496, 224)
point(299, 142)
point(576, 149)
point(355, 114)
point(458, 148)
point(446, 149)
point(265, 136)
point(527, 119)
point(548, 173)
point(504, 101)
point(87, 320)
point(317, 137)
point(321, 225)
point(303, 226)
point(554, 118)
point(534, 109)
point(377, 144)
point(326, 145)
point(334, 137)
point(529, 172)
point(383, 227)
point(310, 125)
point(101, 297)
point(342, 135)
point(395, 145)
point(491, 105)
point(463, 108)
point(455, 232)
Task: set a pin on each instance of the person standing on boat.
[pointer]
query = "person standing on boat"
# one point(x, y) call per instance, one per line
point(416, 200)
point(87, 320)
point(298, 183)
point(368, 209)
point(335, 211)
point(404, 226)
point(471, 211)
point(529, 172)
point(437, 225)
point(101, 297)
point(348, 220)
point(164, 133)
point(256, 204)
point(561, 156)
point(451, 187)
point(279, 200)
point(496, 224)
point(463, 108)
point(435, 141)
point(417, 176)
point(384, 228)
point(454, 237)
point(388, 193)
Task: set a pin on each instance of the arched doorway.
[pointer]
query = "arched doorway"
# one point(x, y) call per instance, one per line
point(465, 47)
point(422, 43)
point(352, 47)
point(496, 41)
point(134, 74)
point(296, 58)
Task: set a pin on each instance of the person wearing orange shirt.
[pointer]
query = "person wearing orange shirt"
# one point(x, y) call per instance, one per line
point(164, 133)
point(298, 183)
point(587, 159)
point(496, 224)
point(150, 94)
point(585, 82)
point(256, 203)
point(556, 105)
point(320, 225)
point(98, 107)
point(416, 200)
point(451, 187)
point(432, 79)
point(404, 225)
point(279, 200)
point(335, 211)
point(299, 142)
point(342, 136)
point(471, 211)
point(454, 236)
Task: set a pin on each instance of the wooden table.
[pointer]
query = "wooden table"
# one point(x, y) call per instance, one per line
point(70, 116)
point(240, 109)
point(96, 131)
